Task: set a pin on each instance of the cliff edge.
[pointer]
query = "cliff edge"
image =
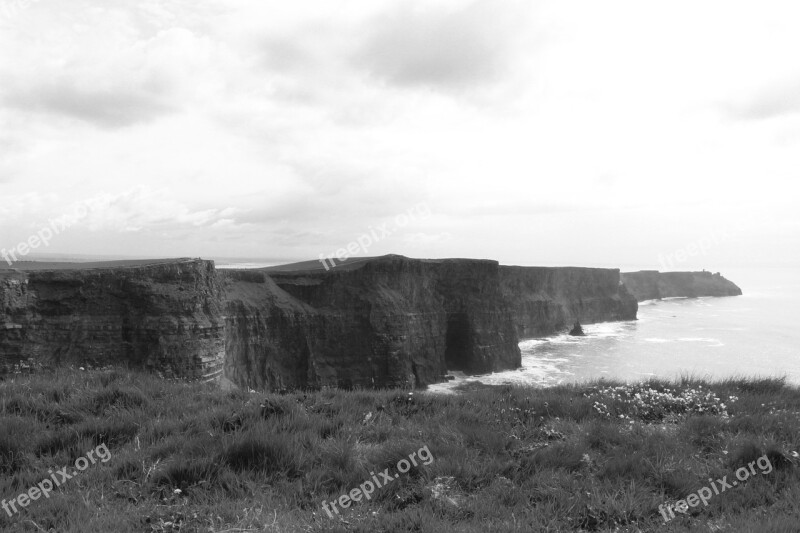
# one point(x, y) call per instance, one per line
point(163, 315)
point(654, 285)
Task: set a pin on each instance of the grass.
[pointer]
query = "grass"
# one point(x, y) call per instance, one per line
point(594, 457)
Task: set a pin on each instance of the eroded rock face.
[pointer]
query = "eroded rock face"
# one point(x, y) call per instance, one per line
point(164, 317)
point(392, 321)
point(395, 321)
point(13, 316)
point(382, 322)
point(480, 335)
point(267, 333)
point(547, 300)
point(654, 285)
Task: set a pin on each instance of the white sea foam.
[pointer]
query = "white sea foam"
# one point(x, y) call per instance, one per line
point(530, 344)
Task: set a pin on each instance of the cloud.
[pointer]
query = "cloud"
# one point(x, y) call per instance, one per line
point(778, 101)
point(316, 121)
point(142, 80)
point(17, 207)
point(144, 209)
point(135, 210)
point(427, 239)
point(455, 48)
point(285, 55)
point(108, 108)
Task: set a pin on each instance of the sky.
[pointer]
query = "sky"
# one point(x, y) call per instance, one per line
point(620, 133)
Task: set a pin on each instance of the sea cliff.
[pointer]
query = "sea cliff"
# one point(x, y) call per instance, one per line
point(654, 285)
point(388, 321)
point(391, 321)
point(164, 317)
point(546, 300)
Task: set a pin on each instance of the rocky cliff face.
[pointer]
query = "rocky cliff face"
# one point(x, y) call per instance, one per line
point(13, 314)
point(165, 317)
point(548, 300)
point(654, 285)
point(380, 322)
point(480, 335)
point(267, 333)
point(392, 321)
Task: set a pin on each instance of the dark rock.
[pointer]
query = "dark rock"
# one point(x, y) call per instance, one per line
point(577, 330)
point(654, 285)
point(376, 322)
point(166, 317)
point(388, 322)
point(546, 300)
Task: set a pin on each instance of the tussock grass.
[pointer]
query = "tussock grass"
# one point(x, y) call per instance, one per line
point(592, 457)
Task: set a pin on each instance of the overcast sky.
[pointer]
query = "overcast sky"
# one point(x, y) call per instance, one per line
point(589, 133)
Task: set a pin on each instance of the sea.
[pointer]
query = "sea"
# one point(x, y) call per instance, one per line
point(753, 335)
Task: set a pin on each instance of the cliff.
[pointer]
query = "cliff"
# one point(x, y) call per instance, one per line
point(369, 322)
point(164, 316)
point(546, 300)
point(654, 285)
point(268, 333)
point(395, 321)
point(391, 321)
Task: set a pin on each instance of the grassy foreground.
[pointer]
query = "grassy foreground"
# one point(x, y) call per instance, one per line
point(594, 457)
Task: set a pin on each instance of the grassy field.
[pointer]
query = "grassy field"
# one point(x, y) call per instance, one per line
point(594, 457)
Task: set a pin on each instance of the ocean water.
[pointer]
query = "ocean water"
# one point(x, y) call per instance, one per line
point(756, 334)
